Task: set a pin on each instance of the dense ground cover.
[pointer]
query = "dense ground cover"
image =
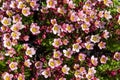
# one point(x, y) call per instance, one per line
point(59, 40)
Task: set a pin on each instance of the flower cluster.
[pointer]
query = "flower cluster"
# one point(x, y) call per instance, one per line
point(59, 39)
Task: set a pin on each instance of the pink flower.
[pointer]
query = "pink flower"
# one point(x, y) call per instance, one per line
point(21, 77)
point(17, 26)
point(26, 11)
point(38, 65)
point(56, 29)
point(94, 61)
point(51, 3)
point(95, 38)
point(101, 45)
point(89, 45)
point(57, 54)
point(7, 76)
point(61, 10)
point(107, 15)
point(81, 56)
point(13, 66)
point(117, 56)
point(27, 63)
point(34, 29)
point(68, 53)
point(69, 28)
point(103, 59)
point(15, 35)
point(7, 44)
point(65, 69)
point(76, 47)
point(57, 42)
point(105, 34)
point(30, 51)
point(6, 21)
point(52, 63)
point(71, 4)
point(101, 14)
point(85, 27)
point(74, 17)
point(21, 5)
point(91, 70)
point(10, 52)
point(46, 73)
point(53, 21)
point(16, 18)
point(107, 2)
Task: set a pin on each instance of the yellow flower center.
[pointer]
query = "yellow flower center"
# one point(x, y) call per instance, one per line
point(7, 78)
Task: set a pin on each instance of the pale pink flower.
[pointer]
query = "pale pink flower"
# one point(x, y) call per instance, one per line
point(52, 63)
point(68, 53)
point(51, 3)
point(76, 66)
point(27, 63)
point(26, 11)
point(2, 56)
point(57, 54)
point(30, 51)
point(26, 38)
point(90, 76)
point(7, 76)
point(46, 73)
point(57, 42)
point(38, 65)
point(13, 66)
point(10, 52)
point(78, 40)
point(95, 38)
point(85, 27)
point(13, 4)
point(69, 28)
point(21, 77)
point(15, 35)
point(62, 78)
point(34, 29)
point(103, 59)
point(61, 10)
point(107, 2)
point(21, 5)
point(58, 62)
point(16, 18)
point(81, 57)
point(65, 69)
point(81, 15)
point(102, 45)
point(44, 10)
point(73, 17)
point(117, 56)
point(56, 28)
point(89, 45)
point(34, 4)
point(76, 47)
point(94, 61)
point(53, 21)
point(6, 36)
point(7, 43)
point(65, 41)
point(82, 70)
point(17, 26)
point(91, 70)
point(101, 14)
point(105, 34)
point(107, 15)
point(77, 74)
point(71, 4)
point(6, 21)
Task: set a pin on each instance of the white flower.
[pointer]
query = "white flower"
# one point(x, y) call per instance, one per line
point(27, 63)
point(15, 35)
point(30, 51)
point(6, 21)
point(68, 53)
point(56, 28)
point(95, 38)
point(13, 66)
point(26, 11)
point(76, 47)
point(46, 73)
point(65, 69)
